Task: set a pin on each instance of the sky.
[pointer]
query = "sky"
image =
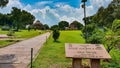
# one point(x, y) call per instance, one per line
point(53, 11)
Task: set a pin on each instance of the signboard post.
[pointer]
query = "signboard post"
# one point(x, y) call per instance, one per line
point(76, 63)
point(94, 52)
point(95, 63)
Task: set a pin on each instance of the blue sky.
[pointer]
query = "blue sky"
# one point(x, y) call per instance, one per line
point(74, 3)
point(52, 11)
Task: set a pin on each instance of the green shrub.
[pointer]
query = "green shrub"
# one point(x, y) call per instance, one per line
point(111, 64)
point(10, 33)
point(56, 34)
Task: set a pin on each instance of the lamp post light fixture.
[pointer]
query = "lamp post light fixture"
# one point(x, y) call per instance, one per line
point(84, 0)
point(83, 6)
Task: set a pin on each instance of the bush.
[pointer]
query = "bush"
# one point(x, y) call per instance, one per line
point(10, 33)
point(111, 64)
point(56, 34)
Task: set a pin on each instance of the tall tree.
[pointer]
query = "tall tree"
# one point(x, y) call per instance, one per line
point(26, 18)
point(21, 18)
point(63, 24)
point(116, 26)
point(3, 3)
point(112, 36)
point(16, 17)
point(46, 27)
point(54, 27)
point(106, 16)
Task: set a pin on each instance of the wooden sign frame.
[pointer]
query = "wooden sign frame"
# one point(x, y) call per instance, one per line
point(94, 52)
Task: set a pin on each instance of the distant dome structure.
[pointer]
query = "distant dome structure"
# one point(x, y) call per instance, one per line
point(38, 25)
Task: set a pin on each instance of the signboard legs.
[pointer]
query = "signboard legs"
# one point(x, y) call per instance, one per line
point(77, 63)
point(95, 63)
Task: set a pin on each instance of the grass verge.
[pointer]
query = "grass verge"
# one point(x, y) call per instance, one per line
point(22, 34)
point(52, 54)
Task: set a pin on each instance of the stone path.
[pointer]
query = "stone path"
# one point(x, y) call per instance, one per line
point(18, 55)
point(3, 36)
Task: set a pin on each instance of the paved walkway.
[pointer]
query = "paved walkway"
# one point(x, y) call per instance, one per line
point(3, 36)
point(18, 55)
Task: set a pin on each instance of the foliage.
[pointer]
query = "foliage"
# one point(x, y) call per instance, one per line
point(17, 19)
point(16, 14)
point(88, 29)
point(105, 16)
point(112, 39)
point(27, 18)
point(116, 26)
point(52, 54)
point(46, 27)
point(92, 33)
point(3, 3)
point(10, 33)
point(21, 18)
point(103, 35)
point(76, 25)
point(5, 19)
point(56, 34)
point(114, 62)
point(63, 24)
point(54, 27)
point(96, 37)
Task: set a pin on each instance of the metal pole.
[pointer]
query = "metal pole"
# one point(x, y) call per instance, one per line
point(31, 57)
point(85, 21)
point(46, 39)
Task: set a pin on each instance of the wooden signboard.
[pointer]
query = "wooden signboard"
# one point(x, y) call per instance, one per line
point(94, 52)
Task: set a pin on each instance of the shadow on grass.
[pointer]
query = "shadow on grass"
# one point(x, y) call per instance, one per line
point(56, 41)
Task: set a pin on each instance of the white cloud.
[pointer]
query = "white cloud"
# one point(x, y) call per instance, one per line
point(69, 19)
point(28, 7)
point(44, 2)
point(98, 3)
point(59, 4)
point(62, 11)
point(12, 3)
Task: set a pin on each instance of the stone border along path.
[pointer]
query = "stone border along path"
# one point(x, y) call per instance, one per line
point(18, 55)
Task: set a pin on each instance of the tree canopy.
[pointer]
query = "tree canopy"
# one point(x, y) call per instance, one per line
point(46, 27)
point(3, 3)
point(63, 24)
point(106, 16)
point(54, 27)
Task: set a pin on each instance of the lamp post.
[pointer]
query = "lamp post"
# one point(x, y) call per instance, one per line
point(83, 6)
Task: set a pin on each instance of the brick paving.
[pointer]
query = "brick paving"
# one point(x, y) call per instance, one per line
point(18, 55)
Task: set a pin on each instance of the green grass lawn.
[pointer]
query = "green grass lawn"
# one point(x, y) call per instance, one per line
point(22, 34)
point(28, 34)
point(3, 32)
point(52, 54)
